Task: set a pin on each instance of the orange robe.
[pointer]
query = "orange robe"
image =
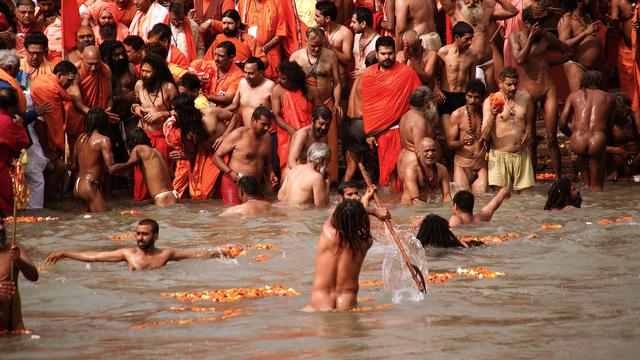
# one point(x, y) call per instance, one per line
point(227, 83)
point(121, 32)
point(173, 137)
point(22, 101)
point(266, 22)
point(143, 22)
point(46, 90)
point(381, 113)
point(296, 111)
point(95, 87)
point(629, 70)
point(176, 57)
point(246, 47)
point(28, 74)
point(126, 15)
point(296, 37)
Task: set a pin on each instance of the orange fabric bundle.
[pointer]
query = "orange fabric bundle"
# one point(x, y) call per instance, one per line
point(496, 101)
point(296, 111)
point(95, 87)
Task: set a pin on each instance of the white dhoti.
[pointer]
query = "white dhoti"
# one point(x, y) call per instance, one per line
point(431, 41)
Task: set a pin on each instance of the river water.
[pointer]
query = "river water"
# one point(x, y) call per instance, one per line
point(568, 293)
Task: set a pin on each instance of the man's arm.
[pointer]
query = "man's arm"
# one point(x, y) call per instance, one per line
point(506, 10)
point(88, 256)
point(268, 165)
point(520, 53)
point(488, 120)
point(345, 53)
point(449, 7)
point(410, 185)
point(390, 12)
point(22, 260)
point(107, 154)
point(557, 44)
point(430, 69)
point(565, 32)
point(321, 191)
point(444, 185)
point(227, 146)
point(563, 123)
point(487, 211)
point(451, 125)
point(439, 66)
point(295, 147)
point(529, 118)
point(337, 88)
point(134, 159)
point(235, 103)
point(178, 254)
point(401, 20)
point(76, 99)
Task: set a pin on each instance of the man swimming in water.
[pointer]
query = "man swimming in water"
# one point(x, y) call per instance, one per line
point(563, 195)
point(145, 257)
point(348, 190)
point(435, 232)
point(248, 191)
point(463, 202)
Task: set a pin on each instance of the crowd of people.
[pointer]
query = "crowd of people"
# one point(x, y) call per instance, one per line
point(250, 100)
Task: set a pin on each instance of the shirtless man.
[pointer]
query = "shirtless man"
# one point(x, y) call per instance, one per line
point(154, 167)
point(344, 242)
point(349, 190)
point(308, 183)
point(304, 137)
point(421, 60)
point(248, 192)
point(84, 38)
point(16, 256)
point(463, 202)
point(414, 15)
point(249, 151)
point(253, 91)
point(155, 90)
point(482, 15)
point(586, 118)
point(456, 67)
point(509, 131)
point(578, 29)
point(423, 178)
point(415, 125)
point(144, 257)
point(339, 36)
point(463, 137)
point(529, 49)
point(125, 78)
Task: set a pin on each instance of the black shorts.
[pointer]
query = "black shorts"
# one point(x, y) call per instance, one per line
point(452, 103)
point(353, 137)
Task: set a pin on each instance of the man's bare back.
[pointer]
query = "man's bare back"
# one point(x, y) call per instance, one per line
point(92, 154)
point(300, 142)
point(252, 207)
point(251, 97)
point(413, 15)
point(304, 186)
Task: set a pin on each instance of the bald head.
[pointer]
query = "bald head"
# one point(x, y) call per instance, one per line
point(426, 142)
point(410, 39)
point(91, 58)
point(427, 150)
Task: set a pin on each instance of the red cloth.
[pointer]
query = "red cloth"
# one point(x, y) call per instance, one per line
point(126, 14)
point(229, 191)
point(45, 89)
point(296, 111)
point(159, 143)
point(70, 16)
point(204, 174)
point(389, 147)
point(296, 37)
point(191, 47)
point(385, 95)
point(246, 47)
point(176, 57)
point(99, 6)
point(13, 138)
point(173, 137)
point(95, 87)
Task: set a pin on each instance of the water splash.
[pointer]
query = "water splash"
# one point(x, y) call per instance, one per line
point(398, 281)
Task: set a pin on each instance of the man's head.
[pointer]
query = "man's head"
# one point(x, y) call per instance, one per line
point(261, 120)
point(410, 40)
point(154, 72)
point(534, 14)
point(157, 49)
point(361, 19)
point(321, 121)
point(91, 58)
point(463, 202)
point(508, 81)
point(133, 45)
point(8, 101)
point(36, 45)
point(254, 71)
point(315, 41)
point(422, 99)
point(427, 151)
point(386, 51)
point(562, 194)
point(66, 73)
point(248, 188)
point(10, 62)
point(106, 17)
point(25, 12)
point(224, 54)
point(231, 23)
point(319, 154)
point(137, 136)
point(160, 33)
point(326, 12)
point(96, 120)
point(143, 5)
point(123, 4)
point(591, 80)
point(435, 232)
point(84, 37)
point(147, 233)
point(351, 222)
point(348, 190)
point(114, 55)
point(471, 10)
point(463, 35)
point(291, 76)
point(188, 119)
point(48, 8)
point(475, 93)
point(624, 115)
point(177, 13)
point(190, 85)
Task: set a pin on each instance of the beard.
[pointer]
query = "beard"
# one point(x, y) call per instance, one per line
point(230, 33)
point(431, 113)
point(119, 67)
point(107, 31)
point(473, 14)
point(386, 64)
point(318, 133)
point(150, 84)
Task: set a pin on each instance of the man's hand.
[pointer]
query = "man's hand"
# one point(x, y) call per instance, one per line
point(535, 30)
point(7, 289)
point(234, 176)
point(290, 129)
point(381, 213)
point(416, 224)
point(131, 96)
point(355, 74)
point(17, 119)
point(14, 253)
point(592, 29)
point(54, 257)
point(45, 108)
point(153, 117)
point(439, 96)
point(273, 179)
point(371, 140)
point(526, 137)
point(469, 140)
point(177, 155)
point(337, 110)
point(217, 142)
point(138, 111)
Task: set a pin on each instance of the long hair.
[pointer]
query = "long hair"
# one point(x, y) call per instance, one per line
point(352, 224)
point(295, 75)
point(559, 195)
point(189, 119)
point(160, 69)
point(107, 48)
point(96, 120)
point(435, 232)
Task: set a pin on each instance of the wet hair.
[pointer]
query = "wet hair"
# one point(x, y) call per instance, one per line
point(435, 232)
point(327, 8)
point(295, 75)
point(228, 47)
point(161, 30)
point(318, 152)
point(421, 97)
point(465, 201)
point(156, 49)
point(321, 111)
point(570, 5)
point(160, 68)
point(315, 31)
point(461, 28)
point(249, 184)
point(346, 185)
point(260, 112)
point(476, 86)
point(36, 38)
point(386, 41)
point(591, 78)
point(508, 72)
point(189, 119)
point(364, 15)
point(623, 103)
point(559, 195)
point(254, 60)
point(190, 81)
point(352, 224)
point(155, 228)
point(96, 119)
point(134, 41)
point(65, 67)
point(107, 48)
point(136, 137)
point(8, 98)
point(9, 59)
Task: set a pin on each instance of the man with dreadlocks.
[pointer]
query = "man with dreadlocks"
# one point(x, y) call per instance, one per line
point(435, 232)
point(563, 195)
point(344, 242)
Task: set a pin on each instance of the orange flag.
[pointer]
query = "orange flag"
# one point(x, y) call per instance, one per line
point(70, 23)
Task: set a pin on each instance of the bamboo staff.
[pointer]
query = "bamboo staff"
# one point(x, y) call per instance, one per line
point(416, 274)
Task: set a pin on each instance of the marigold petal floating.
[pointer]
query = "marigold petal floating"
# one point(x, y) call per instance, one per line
point(261, 257)
point(372, 283)
point(231, 295)
point(31, 219)
point(550, 226)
